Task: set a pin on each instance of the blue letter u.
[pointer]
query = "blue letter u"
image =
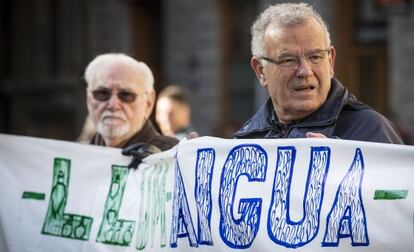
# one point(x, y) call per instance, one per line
point(281, 229)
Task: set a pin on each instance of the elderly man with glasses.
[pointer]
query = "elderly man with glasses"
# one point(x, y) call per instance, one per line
point(294, 60)
point(120, 98)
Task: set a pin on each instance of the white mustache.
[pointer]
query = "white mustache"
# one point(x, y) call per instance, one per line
point(116, 114)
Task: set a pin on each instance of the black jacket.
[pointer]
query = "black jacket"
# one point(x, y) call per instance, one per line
point(148, 134)
point(342, 116)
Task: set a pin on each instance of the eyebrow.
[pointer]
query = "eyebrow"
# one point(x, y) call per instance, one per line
point(286, 52)
point(102, 88)
point(126, 89)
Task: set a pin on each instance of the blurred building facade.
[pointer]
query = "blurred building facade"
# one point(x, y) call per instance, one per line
point(203, 45)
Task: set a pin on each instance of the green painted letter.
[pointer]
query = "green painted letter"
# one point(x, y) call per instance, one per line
point(57, 222)
point(112, 230)
point(152, 206)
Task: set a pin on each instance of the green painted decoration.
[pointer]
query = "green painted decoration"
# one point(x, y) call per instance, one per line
point(33, 195)
point(390, 194)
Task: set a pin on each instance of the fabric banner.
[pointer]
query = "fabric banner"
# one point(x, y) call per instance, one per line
point(207, 194)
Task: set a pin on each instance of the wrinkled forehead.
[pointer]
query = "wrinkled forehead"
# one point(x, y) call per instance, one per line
point(279, 27)
point(118, 76)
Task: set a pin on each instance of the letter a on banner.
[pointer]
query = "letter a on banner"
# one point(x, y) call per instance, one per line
point(182, 223)
point(347, 216)
point(249, 160)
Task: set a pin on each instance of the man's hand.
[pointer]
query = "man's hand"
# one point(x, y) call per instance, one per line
point(315, 135)
point(192, 135)
point(139, 151)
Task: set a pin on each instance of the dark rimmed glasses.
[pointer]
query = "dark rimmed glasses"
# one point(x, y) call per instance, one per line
point(289, 60)
point(103, 95)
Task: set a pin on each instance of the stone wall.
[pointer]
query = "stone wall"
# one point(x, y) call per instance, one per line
point(191, 56)
point(401, 66)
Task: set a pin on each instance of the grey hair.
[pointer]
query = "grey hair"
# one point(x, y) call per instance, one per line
point(97, 68)
point(282, 15)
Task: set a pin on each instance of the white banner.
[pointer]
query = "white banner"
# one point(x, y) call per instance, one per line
point(207, 194)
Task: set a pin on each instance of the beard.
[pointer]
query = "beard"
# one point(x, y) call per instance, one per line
point(109, 130)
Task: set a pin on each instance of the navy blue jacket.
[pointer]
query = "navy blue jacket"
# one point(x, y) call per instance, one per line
point(341, 116)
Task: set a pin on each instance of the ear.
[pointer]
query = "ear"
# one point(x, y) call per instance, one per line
point(332, 56)
point(258, 69)
point(88, 100)
point(149, 103)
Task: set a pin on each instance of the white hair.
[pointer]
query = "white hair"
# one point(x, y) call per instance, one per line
point(282, 15)
point(99, 67)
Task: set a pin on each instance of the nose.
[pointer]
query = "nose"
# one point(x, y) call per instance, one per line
point(304, 68)
point(114, 103)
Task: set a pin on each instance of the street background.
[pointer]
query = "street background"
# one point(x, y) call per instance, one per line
point(202, 45)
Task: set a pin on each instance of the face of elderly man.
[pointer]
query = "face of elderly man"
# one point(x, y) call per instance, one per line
point(299, 73)
point(130, 102)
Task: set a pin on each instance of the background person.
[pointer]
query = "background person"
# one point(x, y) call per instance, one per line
point(173, 112)
point(293, 59)
point(120, 97)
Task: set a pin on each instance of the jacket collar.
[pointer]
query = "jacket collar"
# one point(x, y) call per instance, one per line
point(266, 118)
point(145, 135)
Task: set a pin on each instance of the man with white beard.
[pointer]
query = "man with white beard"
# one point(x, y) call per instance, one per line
point(120, 97)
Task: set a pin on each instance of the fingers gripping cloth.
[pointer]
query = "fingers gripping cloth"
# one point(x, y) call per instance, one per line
point(139, 151)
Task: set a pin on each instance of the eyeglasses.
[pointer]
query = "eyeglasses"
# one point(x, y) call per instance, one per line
point(103, 95)
point(288, 60)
